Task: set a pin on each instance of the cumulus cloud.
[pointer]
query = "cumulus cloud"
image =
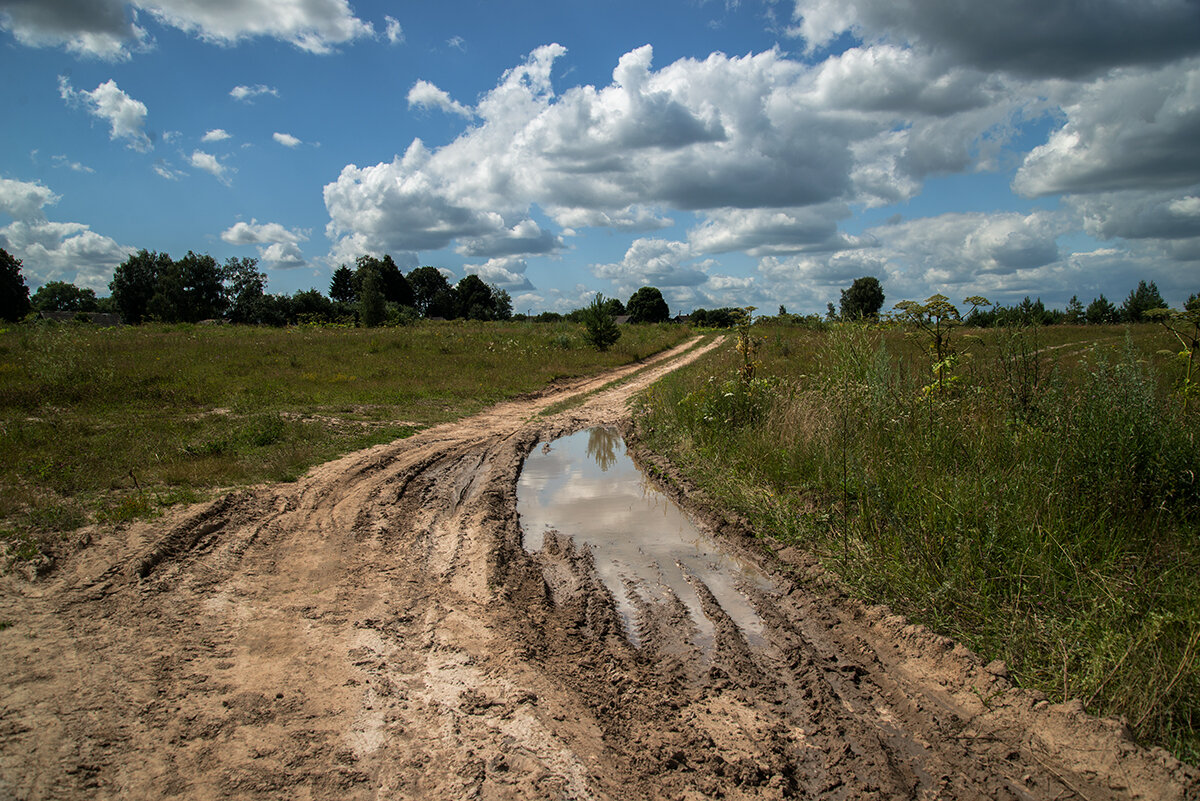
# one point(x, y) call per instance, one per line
point(246, 94)
point(125, 116)
point(756, 132)
point(102, 27)
point(1023, 37)
point(278, 246)
point(286, 139)
point(210, 164)
point(425, 95)
point(54, 251)
point(506, 273)
point(1133, 129)
point(765, 231)
point(215, 135)
point(97, 28)
point(394, 33)
point(654, 262)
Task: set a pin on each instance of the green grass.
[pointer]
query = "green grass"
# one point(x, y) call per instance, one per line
point(111, 425)
point(1043, 507)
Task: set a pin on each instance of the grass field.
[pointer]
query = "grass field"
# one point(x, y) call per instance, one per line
point(112, 424)
point(1040, 502)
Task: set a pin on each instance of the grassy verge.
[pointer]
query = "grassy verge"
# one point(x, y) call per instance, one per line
point(1042, 505)
point(113, 424)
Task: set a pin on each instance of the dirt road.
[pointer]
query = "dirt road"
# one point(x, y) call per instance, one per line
point(377, 630)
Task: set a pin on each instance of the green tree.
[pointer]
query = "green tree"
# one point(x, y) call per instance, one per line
point(14, 294)
point(342, 288)
point(245, 288)
point(432, 294)
point(1140, 301)
point(600, 330)
point(647, 306)
point(372, 308)
point(1101, 311)
point(63, 297)
point(135, 283)
point(1074, 313)
point(201, 293)
point(392, 283)
point(863, 299)
point(480, 301)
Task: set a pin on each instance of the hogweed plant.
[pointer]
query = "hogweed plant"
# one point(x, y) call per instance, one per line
point(936, 318)
point(1185, 325)
point(747, 345)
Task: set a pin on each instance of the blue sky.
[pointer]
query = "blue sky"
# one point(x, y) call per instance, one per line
point(760, 152)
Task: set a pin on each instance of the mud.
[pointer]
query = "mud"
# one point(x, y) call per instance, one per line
point(378, 630)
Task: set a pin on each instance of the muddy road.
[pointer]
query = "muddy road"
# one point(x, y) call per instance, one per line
point(377, 630)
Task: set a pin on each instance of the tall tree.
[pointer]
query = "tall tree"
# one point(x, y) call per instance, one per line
point(14, 294)
point(135, 282)
point(392, 283)
point(1101, 311)
point(1140, 301)
point(863, 299)
point(476, 300)
point(372, 308)
point(432, 293)
point(1074, 312)
point(202, 295)
point(341, 287)
point(63, 297)
point(647, 306)
point(245, 289)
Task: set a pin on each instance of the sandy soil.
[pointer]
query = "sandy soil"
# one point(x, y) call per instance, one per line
point(377, 630)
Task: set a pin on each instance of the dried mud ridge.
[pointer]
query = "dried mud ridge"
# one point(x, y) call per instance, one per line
point(377, 630)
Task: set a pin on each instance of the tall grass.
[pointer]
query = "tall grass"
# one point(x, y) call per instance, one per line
point(110, 424)
point(1046, 511)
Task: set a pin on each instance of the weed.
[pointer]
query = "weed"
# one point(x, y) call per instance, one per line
point(1039, 505)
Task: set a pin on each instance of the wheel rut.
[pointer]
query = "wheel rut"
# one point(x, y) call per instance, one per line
point(377, 630)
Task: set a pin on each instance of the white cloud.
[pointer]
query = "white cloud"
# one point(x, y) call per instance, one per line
point(125, 116)
point(63, 161)
point(103, 28)
point(278, 246)
point(286, 139)
point(23, 200)
point(425, 95)
point(54, 251)
point(760, 132)
point(1025, 37)
point(216, 135)
point(97, 28)
point(246, 94)
point(210, 164)
point(457, 43)
point(315, 26)
point(654, 262)
point(394, 33)
point(166, 171)
point(506, 273)
point(1134, 129)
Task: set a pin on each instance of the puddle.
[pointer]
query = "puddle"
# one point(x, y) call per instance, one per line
point(586, 486)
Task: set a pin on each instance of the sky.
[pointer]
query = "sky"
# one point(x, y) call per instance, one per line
point(745, 152)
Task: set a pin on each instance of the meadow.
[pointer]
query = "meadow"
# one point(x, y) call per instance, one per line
point(108, 425)
point(1036, 498)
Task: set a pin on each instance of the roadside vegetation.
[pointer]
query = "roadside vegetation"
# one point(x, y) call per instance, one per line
point(111, 424)
point(1031, 491)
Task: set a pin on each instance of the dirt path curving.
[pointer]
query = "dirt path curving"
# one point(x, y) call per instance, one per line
point(377, 630)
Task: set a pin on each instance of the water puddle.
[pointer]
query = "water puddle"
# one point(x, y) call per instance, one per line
point(586, 486)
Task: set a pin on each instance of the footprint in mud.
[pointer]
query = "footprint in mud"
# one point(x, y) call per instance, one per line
point(645, 549)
